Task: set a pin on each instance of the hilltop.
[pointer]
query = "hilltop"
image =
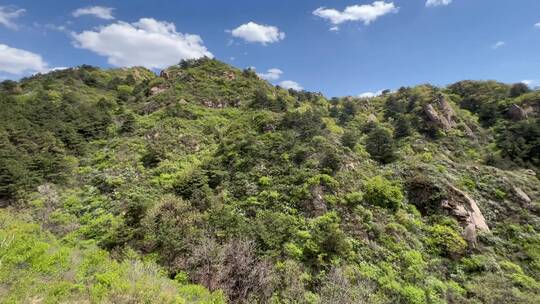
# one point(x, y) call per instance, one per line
point(207, 184)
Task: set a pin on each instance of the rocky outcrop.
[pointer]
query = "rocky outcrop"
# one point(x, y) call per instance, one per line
point(516, 113)
point(466, 211)
point(434, 117)
point(175, 74)
point(164, 74)
point(441, 114)
point(521, 195)
point(229, 75)
point(157, 90)
point(469, 132)
point(447, 111)
point(317, 205)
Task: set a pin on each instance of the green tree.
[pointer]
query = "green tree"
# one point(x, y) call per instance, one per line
point(402, 127)
point(380, 145)
point(519, 89)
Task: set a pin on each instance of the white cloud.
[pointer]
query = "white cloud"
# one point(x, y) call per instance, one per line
point(499, 44)
point(528, 82)
point(537, 25)
point(271, 74)
point(7, 15)
point(148, 42)
point(366, 13)
point(17, 61)
point(60, 68)
point(370, 94)
point(432, 3)
point(289, 84)
point(253, 32)
point(96, 11)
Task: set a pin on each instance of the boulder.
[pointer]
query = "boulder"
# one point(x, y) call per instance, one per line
point(164, 74)
point(516, 113)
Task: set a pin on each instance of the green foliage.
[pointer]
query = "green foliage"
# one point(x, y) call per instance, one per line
point(327, 242)
point(34, 264)
point(260, 194)
point(521, 142)
point(403, 127)
point(380, 145)
point(446, 241)
point(379, 191)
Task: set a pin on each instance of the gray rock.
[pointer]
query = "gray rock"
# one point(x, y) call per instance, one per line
point(516, 112)
point(521, 195)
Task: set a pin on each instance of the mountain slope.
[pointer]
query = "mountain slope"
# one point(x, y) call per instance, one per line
point(423, 195)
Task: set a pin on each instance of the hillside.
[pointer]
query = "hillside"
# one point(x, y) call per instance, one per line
point(206, 184)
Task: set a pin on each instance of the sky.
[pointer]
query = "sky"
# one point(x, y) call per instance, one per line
point(336, 47)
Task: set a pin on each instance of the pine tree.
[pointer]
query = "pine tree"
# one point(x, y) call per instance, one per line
point(380, 145)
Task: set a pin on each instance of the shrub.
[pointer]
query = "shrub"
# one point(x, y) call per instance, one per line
point(354, 198)
point(381, 192)
point(446, 241)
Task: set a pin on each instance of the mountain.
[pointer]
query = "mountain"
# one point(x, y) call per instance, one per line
point(206, 184)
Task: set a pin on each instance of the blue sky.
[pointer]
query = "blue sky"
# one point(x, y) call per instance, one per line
point(335, 47)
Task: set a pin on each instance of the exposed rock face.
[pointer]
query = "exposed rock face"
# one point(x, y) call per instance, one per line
point(469, 132)
point(517, 113)
point(165, 74)
point(180, 75)
point(442, 115)
point(465, 209)
point(317, 205)
point(156, 90)
point(437, 119)
point(447, 111)
point(229, 75)
point(521, 195)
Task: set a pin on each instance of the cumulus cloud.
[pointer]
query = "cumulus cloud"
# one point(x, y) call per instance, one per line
point(17, 61)
point(258, 33)
point(101, 12)
point(289, 84)
point(271, 74)
point(7, 15)
point(370, 94)
point(537, 25)
point(433, 3)
point(499, 44)
point(148, 42)
point(366, 13)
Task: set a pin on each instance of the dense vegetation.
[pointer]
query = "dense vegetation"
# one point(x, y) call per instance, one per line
point(209, 185)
